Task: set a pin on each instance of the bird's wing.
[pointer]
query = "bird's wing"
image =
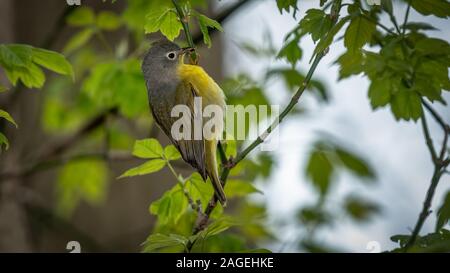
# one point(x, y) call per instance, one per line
point(192, 151)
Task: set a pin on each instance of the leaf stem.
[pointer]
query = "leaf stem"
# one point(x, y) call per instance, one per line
point(184, 20)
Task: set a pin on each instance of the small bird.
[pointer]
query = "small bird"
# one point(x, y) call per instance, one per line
point(171, 82)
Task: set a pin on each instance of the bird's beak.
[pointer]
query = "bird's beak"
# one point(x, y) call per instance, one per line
point(185, 50)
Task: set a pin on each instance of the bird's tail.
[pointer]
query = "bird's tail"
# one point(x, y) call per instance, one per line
point(211, 166)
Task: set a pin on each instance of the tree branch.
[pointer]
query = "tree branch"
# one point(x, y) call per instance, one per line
point(440, 165)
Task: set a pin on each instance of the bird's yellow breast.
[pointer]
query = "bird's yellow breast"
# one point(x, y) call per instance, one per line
point(206, 87)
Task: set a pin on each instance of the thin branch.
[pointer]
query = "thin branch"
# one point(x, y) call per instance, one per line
point(426, 207)
point(440, 165)
point(436, 116)
point(406, 18)
point(428, 139)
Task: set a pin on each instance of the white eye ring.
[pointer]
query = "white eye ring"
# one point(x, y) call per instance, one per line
point(171, 55)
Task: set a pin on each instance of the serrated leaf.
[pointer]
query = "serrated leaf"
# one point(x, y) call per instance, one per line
point(380, 92)
point(205, 23)
point(291, 51)
point(350, 63)
point(81, 16)
point(406, 104)
point(199, 189)
point(317, 23)
point(148, 167)
point(170, 207)
point(287, 5)
point(148, 148)
point(165, 20)
point(171, 153)
point(358, 33)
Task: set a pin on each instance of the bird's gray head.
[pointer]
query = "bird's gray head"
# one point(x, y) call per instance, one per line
point(162, 59)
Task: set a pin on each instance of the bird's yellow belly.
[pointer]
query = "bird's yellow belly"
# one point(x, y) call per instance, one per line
point(204, 85)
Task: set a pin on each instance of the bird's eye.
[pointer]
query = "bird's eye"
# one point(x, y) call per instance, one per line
point(171, 55)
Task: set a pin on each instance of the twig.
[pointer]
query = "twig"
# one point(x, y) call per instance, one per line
point(436, 116)
point(406, 18)
point(428, 139)
point(184, 20)
point(440, 165)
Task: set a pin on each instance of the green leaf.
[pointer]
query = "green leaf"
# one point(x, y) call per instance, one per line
point(81, 180)
point(108, 20)
point(239, 188)
point(358, 33)
point(148, 148)
point(7, 116)
point(3, 142)
point(387, 6)
point(317, 23)
point(319, 169)
point(218, 226)
point(164, 19)
point(380, 91)
point(291, 51)
point(439, 8)
point(351, 63)
point(354, 163)
point(171, 153)
point(53, 61)
point(81, 16)
point(78, 40)
point(443, 214)
point(13, 55)
point(287, 5)
point(406, 104)
point(170, 207)
point(199, 189)
point(205, 23)
point(31, 76)
point(359, 209)
point(328, 39)
point(148, 167)
point(416, 26)
point(161, 242)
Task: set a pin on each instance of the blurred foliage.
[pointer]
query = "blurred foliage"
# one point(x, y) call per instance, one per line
point(404, 66)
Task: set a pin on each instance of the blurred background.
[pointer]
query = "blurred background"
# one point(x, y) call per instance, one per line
point(51, 195)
